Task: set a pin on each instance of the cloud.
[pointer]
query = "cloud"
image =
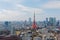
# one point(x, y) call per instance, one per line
point(36, 0)
point(17, 11)
point(20, 13)
point(54, 0)
point(29, 9)
point(7, 15)
point(12, 1)
point(5, 0)
point(52, 4)
point(11, 15)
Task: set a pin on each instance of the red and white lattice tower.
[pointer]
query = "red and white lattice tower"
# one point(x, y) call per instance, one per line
point(34, 26)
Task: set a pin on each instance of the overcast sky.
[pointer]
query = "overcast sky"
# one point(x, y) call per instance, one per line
point(16, 10)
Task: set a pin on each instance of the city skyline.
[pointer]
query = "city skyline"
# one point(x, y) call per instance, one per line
point(16, 10)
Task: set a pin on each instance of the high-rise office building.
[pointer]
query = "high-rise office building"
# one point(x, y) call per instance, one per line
point(52, 21)
point(8, 25)
point(46, 21)
point(30, 21)
point(25, 23)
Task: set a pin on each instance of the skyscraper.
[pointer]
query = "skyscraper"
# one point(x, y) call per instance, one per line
point(52, 21)
point(30, 21)
point(46, 21)
point(6, 25)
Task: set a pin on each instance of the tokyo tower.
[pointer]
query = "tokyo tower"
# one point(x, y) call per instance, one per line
point(34, 26)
